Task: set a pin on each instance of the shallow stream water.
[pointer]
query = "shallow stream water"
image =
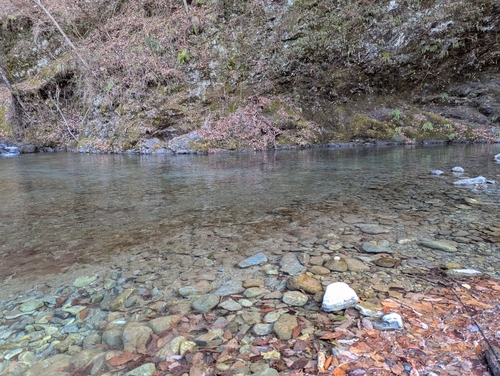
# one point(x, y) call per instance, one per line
point(58, 211)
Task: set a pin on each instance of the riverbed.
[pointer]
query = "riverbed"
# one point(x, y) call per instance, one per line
point(59, 212)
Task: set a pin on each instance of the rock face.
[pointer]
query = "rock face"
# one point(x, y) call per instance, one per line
point(341, 50)
point(8, 151)
point(339, 296)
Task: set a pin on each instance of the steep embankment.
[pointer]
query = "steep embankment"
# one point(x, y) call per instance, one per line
point(232, 74)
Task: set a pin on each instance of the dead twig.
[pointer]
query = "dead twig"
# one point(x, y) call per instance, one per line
point(56, 103)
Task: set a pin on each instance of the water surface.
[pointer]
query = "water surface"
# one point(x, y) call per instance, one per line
point(60, 209)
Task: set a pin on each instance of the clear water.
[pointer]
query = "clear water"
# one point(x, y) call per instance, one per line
point(60, 209)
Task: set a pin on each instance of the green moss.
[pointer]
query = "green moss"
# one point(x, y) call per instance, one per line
point(362, 126)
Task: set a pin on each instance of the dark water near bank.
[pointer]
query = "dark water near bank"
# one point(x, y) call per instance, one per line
point(58, 209)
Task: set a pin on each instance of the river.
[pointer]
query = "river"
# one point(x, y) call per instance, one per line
point(59, 211)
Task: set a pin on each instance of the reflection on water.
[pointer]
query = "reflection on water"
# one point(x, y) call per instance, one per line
point(76, 207)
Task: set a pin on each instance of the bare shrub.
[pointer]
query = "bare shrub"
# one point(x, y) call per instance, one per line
point(248, 127)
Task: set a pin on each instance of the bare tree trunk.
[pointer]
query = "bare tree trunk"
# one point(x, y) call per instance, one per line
point(186, 6)
point(39, 3)
point(13, 92)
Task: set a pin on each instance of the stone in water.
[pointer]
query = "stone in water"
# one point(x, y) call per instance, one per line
point(471, 181)
point(254, 260)
point(462, 273)
point(375, 248)
point(339, 296)
point(84, 281)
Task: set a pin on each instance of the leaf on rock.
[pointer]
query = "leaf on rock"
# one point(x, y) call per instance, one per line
point(121, 359)
point(299, 364)
point(296, 331)
point(390, 304)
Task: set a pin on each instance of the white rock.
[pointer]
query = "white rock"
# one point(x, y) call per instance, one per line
point(461, 273)
point(497, 157)
point(471, 181)
point(457, 169)
point(391, 321)
point(339, 296)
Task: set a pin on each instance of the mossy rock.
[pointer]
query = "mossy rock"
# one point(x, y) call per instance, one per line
point(362, 126)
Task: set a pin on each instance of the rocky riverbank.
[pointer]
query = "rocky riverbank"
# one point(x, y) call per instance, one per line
point(263, 316)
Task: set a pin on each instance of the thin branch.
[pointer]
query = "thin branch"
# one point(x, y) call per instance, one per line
point(186, 6)
point(56, 103)
point(38, 2)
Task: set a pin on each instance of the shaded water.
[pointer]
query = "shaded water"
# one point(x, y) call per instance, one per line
point(61, 209)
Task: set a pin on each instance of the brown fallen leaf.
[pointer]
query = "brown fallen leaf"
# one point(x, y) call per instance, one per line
point(330, 335)
point(390, 303)
point(296, 331)
point(299, 363)
point(84, 313)
point(121, 359)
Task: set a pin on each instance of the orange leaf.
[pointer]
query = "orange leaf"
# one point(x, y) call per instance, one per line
point(398, 369)
point(84, 313)
point(328, 362)
point(338, 372)
point(296, 332)
point(123, 358)
point(332, 335)
point(389, 303)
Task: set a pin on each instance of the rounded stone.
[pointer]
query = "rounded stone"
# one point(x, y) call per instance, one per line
point(147, 369)
point(304, 282)
point(271, 317)
point(285, 325)
point(263, 329)
point(31, 305)
point(386, 262)
point(230, 305)
point(336, 264)
point(161, 324)
point(319, 270)
point(187, 346)
point(452, 265)
point(84, 281)
point(295, 298)
point(253, 292)
point(205, 303)
point(245, 303)
point(253, 282)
